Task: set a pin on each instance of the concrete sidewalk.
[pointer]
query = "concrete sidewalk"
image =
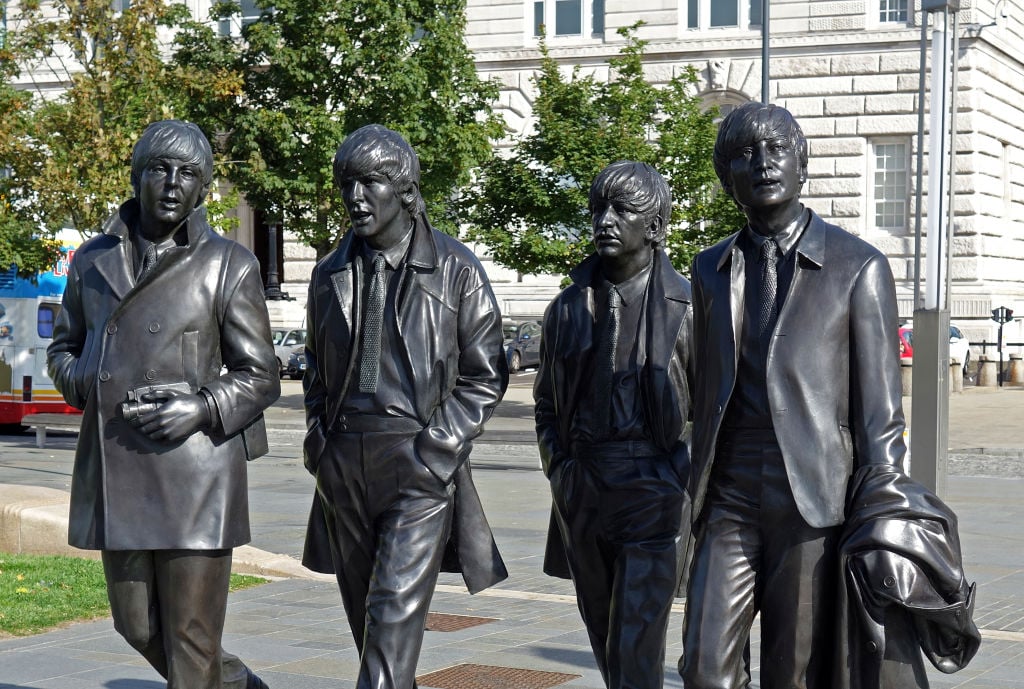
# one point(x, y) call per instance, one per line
point(294, 633)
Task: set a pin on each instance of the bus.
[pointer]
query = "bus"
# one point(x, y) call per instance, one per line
point(28, 311)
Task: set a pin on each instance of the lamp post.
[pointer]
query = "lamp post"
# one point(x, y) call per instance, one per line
point(929, 440)
point(765, 52)
point(272, 290)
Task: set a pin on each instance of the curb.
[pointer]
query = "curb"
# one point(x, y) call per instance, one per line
point(34, 520)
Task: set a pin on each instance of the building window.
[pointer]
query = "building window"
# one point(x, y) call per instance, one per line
point(249, 15)
point(892, 11)
point(119, 5)
point(890, 189)
point(567, 17)
point(722, 14)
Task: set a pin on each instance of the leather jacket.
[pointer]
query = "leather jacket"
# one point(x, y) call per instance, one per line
point(833, 372)
point(451, 346)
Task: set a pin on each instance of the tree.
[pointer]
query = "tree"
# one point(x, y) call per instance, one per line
point(313, 71)
point(89, 79)
point(530, 207)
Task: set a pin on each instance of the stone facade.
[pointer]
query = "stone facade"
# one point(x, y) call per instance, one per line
point(852, 80)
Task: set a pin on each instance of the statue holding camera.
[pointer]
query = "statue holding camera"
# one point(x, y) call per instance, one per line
point(173, 392)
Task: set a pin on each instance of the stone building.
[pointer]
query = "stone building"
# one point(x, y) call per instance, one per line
point(849, 71)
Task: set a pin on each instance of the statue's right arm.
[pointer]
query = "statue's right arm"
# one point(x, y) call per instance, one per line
point(551, 454)
point(314, 392)
point(64, 355)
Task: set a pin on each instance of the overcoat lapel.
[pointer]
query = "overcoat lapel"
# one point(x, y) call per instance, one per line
point(114, 266)
point(666, 306)
point(732, 283)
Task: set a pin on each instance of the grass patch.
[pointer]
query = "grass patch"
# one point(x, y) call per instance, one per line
point(39, 592)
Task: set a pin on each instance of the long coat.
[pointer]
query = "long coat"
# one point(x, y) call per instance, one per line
point(833, 372)
point(450, 343)
point(200, 309)
point(666, 378)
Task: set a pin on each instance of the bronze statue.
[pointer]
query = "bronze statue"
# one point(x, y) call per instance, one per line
point(612, 401)
point(799, 399)
point(404, 365)
point(155, 307)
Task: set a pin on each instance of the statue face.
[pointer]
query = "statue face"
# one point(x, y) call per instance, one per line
point(766, 173)
point(169, 190)
point(375, 209)
point(621, 234)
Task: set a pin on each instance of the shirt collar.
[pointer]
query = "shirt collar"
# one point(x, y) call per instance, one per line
point(632, 288)
point(393, 255)
point(785, 240)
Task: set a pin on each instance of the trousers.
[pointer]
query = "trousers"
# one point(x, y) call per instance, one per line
point(620, 520)
point(755, 554)
point(388, 520)
point(170, 606)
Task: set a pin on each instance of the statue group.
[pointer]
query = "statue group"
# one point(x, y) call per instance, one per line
point(784, 498)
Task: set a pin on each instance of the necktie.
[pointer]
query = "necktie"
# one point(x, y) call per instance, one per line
point(606, 360)
point(148, 261)
point(372, 327)
point(769, 285)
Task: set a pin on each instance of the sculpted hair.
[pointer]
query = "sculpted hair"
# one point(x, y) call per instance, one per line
point(175, 139)
point(752, 122)
point(637, 186)
point(375, 148)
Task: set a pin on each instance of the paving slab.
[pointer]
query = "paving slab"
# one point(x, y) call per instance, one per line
point(293, 631)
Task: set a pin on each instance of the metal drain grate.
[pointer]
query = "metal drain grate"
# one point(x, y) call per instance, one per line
point(469, 676)
point(444, 622)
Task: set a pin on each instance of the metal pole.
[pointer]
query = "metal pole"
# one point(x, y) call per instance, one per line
point(765, 53)
point(950, 210)
point(272, 291)
point(920, 161)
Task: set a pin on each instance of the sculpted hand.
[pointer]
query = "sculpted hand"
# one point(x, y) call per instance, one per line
point(180, 415)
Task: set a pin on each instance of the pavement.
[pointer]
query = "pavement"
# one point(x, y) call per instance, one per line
point(523, 633)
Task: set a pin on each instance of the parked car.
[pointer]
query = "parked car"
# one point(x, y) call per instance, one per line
point(285, 340)
point(959, 346)
point(522, 344)
point(296, 366)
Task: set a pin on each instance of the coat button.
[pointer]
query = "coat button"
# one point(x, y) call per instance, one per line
point(104, 376)
point(154, 327)
point(872, 647)
point(889, 581)
point(111, 328)
point(150, 374)
point(718, 409)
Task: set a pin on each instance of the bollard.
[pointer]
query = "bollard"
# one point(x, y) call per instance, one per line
point(906, 374)
point(987, 370)
point(1016, 373)
point(956, 376)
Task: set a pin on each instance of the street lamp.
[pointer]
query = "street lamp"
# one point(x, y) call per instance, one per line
point(272, 290)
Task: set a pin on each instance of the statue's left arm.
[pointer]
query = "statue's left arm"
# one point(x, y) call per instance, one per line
point(251, 381)
point(876, 402)
point(480, 381)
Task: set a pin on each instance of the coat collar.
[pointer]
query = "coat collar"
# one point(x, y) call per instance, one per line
point(116, 265)
point(120, 224)
point(811, 245)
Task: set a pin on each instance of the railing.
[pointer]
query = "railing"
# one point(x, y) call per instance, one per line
point(1000, 348)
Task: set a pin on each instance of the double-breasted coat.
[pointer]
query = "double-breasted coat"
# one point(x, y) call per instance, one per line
point(666, 378)
point(200, 310)
point(833, 372)
point(450, 343)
